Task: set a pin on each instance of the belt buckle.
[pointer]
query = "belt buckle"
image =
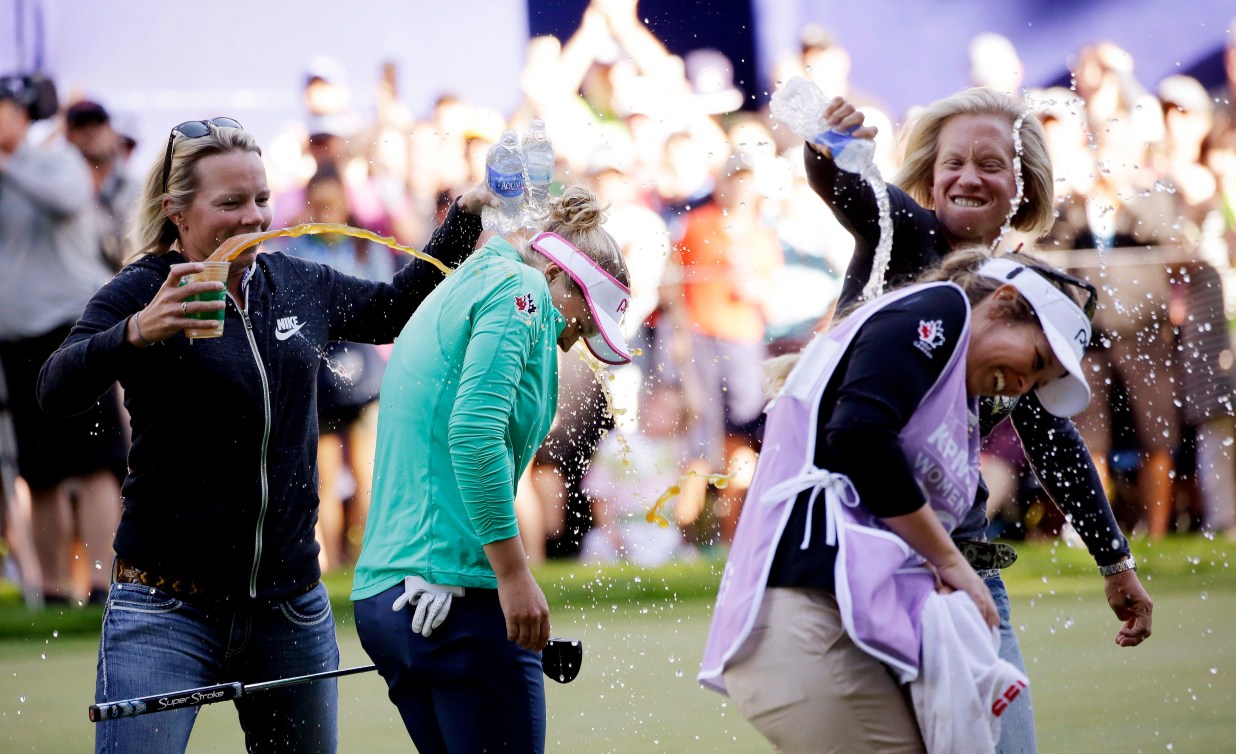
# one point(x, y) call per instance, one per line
point(1005, 555)
point(987, 555)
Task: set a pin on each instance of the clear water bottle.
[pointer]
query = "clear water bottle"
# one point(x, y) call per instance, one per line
point(800, 106)
point(504, 174)
point(539, 168)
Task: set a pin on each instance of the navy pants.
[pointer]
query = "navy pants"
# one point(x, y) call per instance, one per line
point(466, 688)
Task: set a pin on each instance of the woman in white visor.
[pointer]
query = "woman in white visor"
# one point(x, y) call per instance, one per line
point(870, 459)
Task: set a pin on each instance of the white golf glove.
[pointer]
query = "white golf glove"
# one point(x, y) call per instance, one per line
point(432, 601)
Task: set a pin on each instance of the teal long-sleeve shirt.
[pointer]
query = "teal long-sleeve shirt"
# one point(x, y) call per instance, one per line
point(468, 396)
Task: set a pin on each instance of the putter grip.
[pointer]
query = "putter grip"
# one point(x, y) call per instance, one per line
point(164, 702)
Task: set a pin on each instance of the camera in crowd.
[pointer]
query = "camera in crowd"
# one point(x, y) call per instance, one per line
point(35, 92)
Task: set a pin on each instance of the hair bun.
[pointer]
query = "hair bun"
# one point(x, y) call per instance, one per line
point(577, 209)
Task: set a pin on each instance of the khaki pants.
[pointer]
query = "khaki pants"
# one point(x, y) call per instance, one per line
point(808, 688)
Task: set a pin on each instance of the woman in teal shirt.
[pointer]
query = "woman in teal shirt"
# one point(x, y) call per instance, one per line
point(469, 394)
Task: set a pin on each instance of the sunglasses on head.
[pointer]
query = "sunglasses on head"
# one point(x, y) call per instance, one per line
point(1092, 294)
point(192, 129)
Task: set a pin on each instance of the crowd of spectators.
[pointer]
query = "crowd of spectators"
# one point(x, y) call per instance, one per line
point(732, 257)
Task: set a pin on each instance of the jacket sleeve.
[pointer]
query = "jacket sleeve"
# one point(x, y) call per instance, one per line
point(451, 243)
point(917, 240)
point(497, 354)
point(367, 312)
point(96, 351)
point(1062, 463)
point(849, 198)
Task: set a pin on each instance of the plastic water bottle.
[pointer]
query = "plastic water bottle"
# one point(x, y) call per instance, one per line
point(800, 106)
point(539, 168)
point(504, 174)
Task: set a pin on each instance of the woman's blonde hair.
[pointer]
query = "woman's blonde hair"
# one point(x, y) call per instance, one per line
point(577, 216)
point(154, 233)
point(1036, 212)
point(960, 268)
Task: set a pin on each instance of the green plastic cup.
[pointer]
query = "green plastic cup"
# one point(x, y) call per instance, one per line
point(214, 271)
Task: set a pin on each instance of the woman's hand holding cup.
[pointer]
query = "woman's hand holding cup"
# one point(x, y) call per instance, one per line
point(177, 305)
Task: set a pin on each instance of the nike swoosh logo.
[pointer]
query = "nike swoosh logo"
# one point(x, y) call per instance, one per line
point(281, 335)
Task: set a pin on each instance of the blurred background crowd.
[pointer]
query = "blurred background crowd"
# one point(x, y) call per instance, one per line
point(733, 258)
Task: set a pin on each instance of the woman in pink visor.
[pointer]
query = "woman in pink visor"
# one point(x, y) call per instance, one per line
point(468, 396)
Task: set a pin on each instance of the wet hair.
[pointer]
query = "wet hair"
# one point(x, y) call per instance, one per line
point(577, 216)
point(1035, 214)
point(960, 268)
point(154, 232)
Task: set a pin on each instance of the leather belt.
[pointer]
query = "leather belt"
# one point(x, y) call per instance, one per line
point(189, 590)
point(984, 556)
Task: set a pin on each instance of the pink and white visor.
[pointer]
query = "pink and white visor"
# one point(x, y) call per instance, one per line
point(607, 298)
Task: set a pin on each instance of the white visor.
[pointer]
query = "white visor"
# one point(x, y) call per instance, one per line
point(607, 298)
point(1064, 323)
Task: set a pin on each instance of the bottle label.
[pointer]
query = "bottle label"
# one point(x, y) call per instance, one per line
point(540, 171)
point(506, 185)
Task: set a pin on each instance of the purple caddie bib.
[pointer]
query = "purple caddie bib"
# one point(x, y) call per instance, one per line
point(881, 583)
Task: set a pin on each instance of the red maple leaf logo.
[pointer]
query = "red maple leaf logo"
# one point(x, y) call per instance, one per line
point(521, 303)
point(930, 333)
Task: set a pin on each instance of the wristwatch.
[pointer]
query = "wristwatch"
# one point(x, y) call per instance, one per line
point(1127, 563)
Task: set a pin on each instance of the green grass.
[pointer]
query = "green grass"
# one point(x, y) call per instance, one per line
point(644, 630)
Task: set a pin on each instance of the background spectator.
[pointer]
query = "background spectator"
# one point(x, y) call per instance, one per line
point(49, 252)
point(88, 127)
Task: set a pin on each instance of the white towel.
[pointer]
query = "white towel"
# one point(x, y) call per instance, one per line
point(963, 686)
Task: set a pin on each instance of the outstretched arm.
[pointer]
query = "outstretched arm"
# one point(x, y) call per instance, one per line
point(646, 51)
point(917, 240)
point(1063, 465)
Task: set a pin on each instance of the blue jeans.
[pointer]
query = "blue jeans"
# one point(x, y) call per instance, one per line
point(466, 687)
point(153, 643)
point(1017, 722)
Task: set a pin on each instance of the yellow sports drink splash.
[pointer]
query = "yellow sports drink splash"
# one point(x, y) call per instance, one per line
point(654, 515)
point(234, 246)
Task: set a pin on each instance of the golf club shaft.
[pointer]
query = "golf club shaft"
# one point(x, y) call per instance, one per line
point(221, 692)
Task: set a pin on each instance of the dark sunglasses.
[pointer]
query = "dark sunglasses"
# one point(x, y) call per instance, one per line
point(1092, 294)
point(192, 129)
